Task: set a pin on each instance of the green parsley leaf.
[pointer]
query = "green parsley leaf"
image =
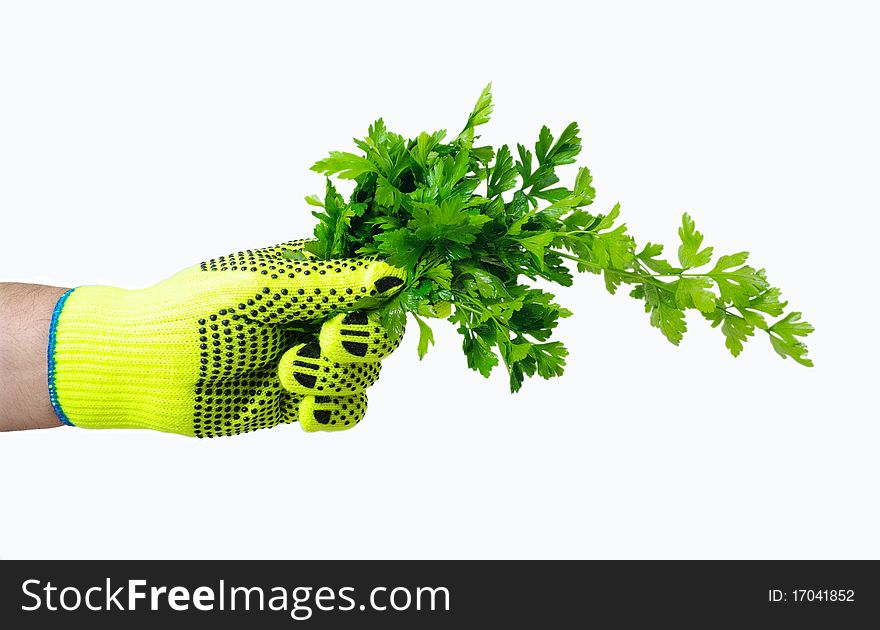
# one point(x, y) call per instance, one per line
point(784, 337)
point(689, 253)
point(426, 336)
point(344, 165)
point(693, 292)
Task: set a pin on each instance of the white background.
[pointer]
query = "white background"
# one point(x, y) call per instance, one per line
point(139, 138)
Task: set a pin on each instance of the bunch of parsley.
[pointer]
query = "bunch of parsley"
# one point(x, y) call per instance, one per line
point(473, 224)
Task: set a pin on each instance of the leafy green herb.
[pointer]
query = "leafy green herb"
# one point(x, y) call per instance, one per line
point(473, 225)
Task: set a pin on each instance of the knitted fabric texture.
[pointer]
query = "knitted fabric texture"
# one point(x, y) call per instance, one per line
point(238, 343)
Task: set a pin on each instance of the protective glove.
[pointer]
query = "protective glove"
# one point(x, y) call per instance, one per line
point(238, 343)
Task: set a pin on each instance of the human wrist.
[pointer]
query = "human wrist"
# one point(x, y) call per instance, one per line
point(25, 316)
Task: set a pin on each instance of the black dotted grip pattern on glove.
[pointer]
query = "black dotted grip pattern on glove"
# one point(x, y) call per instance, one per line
point(238, 389)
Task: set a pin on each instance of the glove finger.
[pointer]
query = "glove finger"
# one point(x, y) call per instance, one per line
point(356, 337)
point(272, 288)
point(305, 293)
point(315, 289)
point(304, 370)
point(331, 413)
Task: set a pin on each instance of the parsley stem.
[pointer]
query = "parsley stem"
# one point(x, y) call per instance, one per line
point(645, 278)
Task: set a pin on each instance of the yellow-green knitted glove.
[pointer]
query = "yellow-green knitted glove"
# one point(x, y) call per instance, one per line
point(238, 343)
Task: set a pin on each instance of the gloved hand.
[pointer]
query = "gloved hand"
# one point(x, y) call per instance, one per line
point(232, 345)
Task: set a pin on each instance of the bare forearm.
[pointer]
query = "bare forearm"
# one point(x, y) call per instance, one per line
point(25, 315)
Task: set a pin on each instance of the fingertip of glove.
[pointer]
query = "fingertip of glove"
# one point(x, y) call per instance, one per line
point(310, 350)
point(386, 283)
point(388, 277)
point(327, 413)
